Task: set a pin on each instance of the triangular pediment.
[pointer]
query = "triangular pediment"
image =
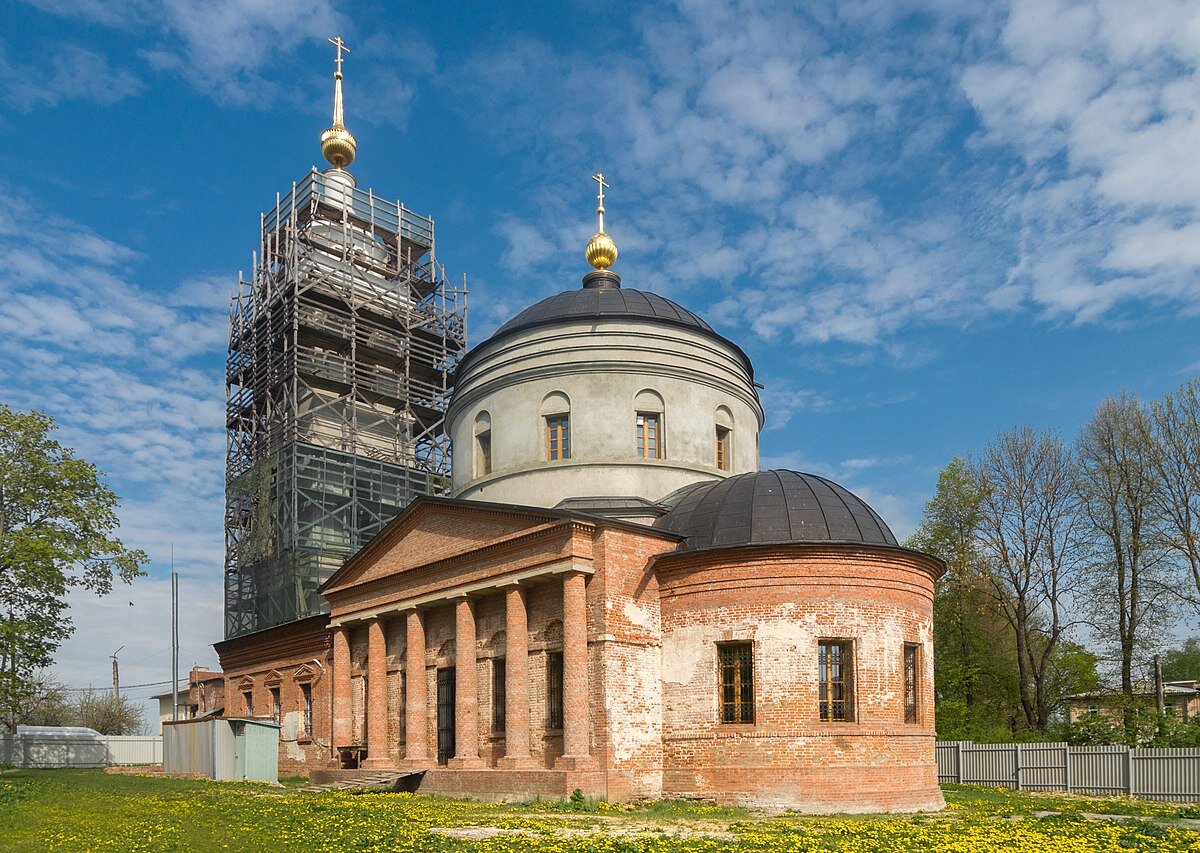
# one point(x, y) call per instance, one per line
point(433, 529)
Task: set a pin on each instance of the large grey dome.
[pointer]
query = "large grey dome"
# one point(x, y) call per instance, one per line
point(771, 507)
point(607, 303)
point(586, 303)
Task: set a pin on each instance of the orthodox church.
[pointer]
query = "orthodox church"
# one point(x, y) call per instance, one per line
point(613, 597)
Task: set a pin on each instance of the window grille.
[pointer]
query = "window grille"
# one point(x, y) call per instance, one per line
point(554, 690)
point(649, 435)
point(736, 664)
point(558, 437)
point(498, 696)
point(306, 702)
point(835, 672)
point(723, 448)
point(911, 672)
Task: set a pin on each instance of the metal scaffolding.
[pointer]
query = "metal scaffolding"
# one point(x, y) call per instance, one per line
point(341, 351)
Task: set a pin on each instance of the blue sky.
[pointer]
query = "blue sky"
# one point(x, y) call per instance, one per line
point(925, 221)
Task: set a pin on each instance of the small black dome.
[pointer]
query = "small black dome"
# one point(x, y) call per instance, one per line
point(771, 507)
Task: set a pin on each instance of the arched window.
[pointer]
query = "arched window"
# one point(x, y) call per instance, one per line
point(649, 433)
point(556, 415)
point(483, 444)
point(724, 438)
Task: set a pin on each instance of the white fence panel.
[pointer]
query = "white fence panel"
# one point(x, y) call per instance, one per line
point(46, 749)
point(134, 750)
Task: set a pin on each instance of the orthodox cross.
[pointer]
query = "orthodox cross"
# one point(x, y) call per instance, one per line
point(599, 179)
point(341, 48)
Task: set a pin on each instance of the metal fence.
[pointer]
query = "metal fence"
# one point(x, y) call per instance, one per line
point(1157, 774)
point(76, 748)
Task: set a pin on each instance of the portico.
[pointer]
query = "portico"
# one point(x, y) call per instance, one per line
point(481, 610)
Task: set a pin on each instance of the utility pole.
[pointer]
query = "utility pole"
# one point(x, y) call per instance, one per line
point(116, 678)
point(174, 637)
point(1159, 699)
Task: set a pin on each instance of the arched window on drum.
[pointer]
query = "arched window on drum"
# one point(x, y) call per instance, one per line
point(649, 427)
point(723, 436)
point(556, 416)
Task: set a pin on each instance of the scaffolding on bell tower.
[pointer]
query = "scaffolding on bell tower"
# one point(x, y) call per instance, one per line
point(342, 346)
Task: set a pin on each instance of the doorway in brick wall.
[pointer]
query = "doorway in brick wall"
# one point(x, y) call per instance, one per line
point(445, 714)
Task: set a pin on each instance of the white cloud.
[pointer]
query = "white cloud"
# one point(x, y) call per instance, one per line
point(116, 364)
point(71, 73)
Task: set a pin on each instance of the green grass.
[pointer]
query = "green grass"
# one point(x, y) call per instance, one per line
point(91, 810)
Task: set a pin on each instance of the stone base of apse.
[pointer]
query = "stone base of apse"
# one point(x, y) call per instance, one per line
point(516, 763)
point(499, 785)
point(473, 762)
point(575, 763)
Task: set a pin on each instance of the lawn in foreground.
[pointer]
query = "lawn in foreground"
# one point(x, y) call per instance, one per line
point(91, 810)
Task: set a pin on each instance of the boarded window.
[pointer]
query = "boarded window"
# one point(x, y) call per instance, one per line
point(835, 675)
point(723, 448)
point(484, 440)
point(558, 437)
point(912, 669)
point(736, 664)
point(554, 690)
point(649, 435)
point(498, 697)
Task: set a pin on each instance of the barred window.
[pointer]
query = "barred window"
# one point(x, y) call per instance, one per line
point(736, 664)
point(835, 675)
point(912, 669)
point(649, 435)
point(248, 698)
point(307, 707)
point(554, 690)
point(275, 705)
point(498, 697)
point(558, 437)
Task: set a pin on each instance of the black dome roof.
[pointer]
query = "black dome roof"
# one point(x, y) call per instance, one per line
point(586, 303)
point(602, 297)
point(771, 507)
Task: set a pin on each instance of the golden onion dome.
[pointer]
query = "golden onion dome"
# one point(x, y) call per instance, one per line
point(338, 147)
point(601, 251)
point(337, 143)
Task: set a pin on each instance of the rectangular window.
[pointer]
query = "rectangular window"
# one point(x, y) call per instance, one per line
point(649, 435)
point(723, 448)
point(558, 437)
point(248, 698)
point(912, 670)
point(498, 697)
point(554, 690)
point(736, 664)
point(275, 708)
point(306, 706)
point(484, 440)
point(835, 676)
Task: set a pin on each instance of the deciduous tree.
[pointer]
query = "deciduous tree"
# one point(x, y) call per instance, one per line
point(57, 524)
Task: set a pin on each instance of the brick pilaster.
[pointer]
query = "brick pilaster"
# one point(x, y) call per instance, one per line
point(516, 682)
point(416, 749)
point(377, 745)
point(466, 689)
point(341, 688)
point(576, 706)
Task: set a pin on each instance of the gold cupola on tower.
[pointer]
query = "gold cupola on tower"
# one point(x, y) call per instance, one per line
point(601, 251)
point(337, 143)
